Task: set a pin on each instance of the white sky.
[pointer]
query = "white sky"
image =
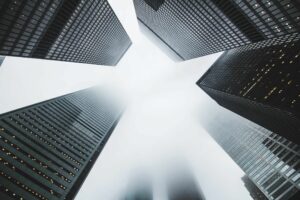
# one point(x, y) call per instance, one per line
point(161, 124)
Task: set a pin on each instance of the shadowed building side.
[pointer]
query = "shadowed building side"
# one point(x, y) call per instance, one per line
point(260, 83)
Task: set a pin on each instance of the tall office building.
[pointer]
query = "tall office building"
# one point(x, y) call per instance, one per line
point(260, 83)
point(48, 149)
point(75, 31)
point(270, 161)
point(200, 27)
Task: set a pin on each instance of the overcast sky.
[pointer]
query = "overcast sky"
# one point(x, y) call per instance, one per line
point(162, 122)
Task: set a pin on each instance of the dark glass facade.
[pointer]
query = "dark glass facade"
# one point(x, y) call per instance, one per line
point(261, 84)
point(75, 31)
point(270, 161)
point(200, 27)
point(48, 149)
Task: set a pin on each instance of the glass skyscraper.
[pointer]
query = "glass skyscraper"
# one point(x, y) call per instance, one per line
point(48, 149)
point(270, 161)
point(200, 27)
point(75, 31)
point(260, 83)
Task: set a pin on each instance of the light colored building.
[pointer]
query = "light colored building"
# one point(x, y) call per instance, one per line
point(269, 160)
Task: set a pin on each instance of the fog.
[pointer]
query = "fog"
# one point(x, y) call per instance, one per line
point(162, 124)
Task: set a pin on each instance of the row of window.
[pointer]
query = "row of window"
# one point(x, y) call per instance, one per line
point(271, 161)
point(185, 25)
point(49, 144)
point(28, 150)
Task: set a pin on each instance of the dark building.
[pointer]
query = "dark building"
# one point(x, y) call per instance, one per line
point(200, 27)
point(254, 191)
point(75, 31)
point(270, 161)
point(260, 83)
point(48, 149)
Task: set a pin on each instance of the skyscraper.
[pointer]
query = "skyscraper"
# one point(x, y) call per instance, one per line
point(48, 149)
point(270, 161)
point(260, 83)
point(200, 27)
point(75, 31)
